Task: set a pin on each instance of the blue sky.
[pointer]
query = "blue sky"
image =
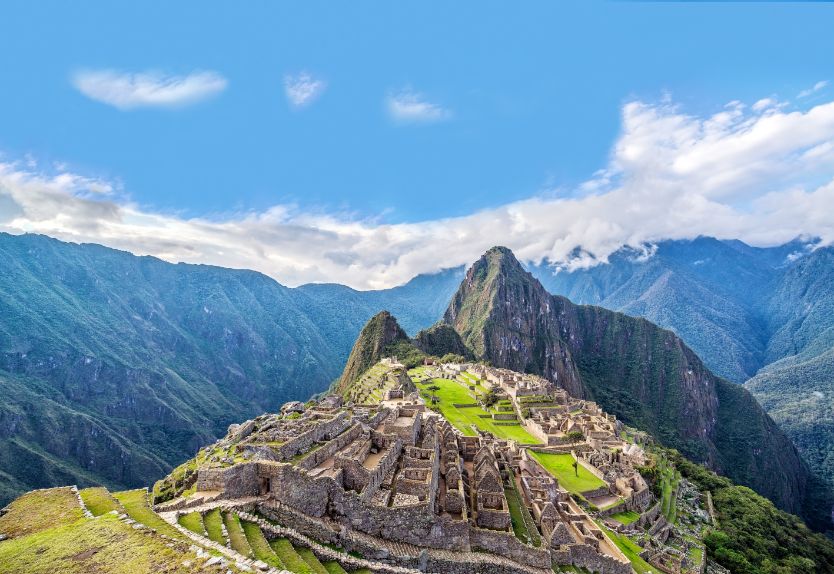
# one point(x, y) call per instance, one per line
point(507, 102)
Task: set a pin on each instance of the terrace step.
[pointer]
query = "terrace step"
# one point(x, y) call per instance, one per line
point(260, 547)
point(237, 538)
point(213, 523)
point(312, 561)
point(193, 521)
point(288, 555)
point(334, 567)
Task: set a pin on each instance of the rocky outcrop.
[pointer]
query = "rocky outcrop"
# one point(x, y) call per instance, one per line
point(642, 373)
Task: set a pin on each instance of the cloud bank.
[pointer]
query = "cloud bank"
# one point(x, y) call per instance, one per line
point(127, 90)
point(764, 176)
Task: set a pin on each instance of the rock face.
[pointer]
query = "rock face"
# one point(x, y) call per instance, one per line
point(379, 333)
point(642, 373)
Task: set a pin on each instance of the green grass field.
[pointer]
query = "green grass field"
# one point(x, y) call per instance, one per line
point(451, 393)
point(89, 546)
point(561, 467)
point(212, 521)
point(291, 559)
point(334, 567)
point(98, 500)
point(631, 551)
point(311, 560)
point(39, 510)
point(625, 518)
point(263, 551)
point(237, 538)
point(193, 521)
point(135, 503)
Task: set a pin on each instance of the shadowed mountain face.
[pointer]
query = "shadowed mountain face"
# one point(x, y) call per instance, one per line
point(114, 368)
point(644, 374)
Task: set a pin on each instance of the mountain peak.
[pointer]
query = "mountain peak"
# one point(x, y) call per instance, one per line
point(379, 333)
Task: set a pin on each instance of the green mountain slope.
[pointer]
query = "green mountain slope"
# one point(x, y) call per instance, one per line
point(115, 368)
point(644, 374)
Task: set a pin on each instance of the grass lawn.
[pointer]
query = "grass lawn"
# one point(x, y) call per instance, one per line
point(103, 545)
point(451, 393)
point(237, 537)
point(334, 567)
point(561, 467)
point(135, 503)
point(98, 500)
point(194, 522)
point(39, 510)
point(292, 561)
point(631, 550)
point(312, 561)
point(625, 518)
point(212, 521)
point(261, 548)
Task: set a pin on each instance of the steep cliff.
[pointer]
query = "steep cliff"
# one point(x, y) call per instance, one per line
point(644, 374)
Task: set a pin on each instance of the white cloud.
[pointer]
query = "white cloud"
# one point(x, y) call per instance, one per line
point(303, 89)
point(815, 88)
point(408, 106)
point(127, 90)
point(764, 178)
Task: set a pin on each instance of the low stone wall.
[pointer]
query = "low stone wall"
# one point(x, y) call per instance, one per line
point(321, 454)
point(506, 544)
point(649, 516)
point(305, 440)
point(586, 556)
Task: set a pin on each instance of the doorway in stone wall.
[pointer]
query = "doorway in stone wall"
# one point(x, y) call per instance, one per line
point(264, 485)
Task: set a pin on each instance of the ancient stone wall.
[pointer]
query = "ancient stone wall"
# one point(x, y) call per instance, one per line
point(319, 432)
point(236, 481)
point(318, 456)
point(506, 544)
point(586, 556)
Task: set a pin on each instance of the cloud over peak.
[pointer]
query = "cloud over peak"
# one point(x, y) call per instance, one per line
point(764, 177)
point(409, 107)
point(130, 90)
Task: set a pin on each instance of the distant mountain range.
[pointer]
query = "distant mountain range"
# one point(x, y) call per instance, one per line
point(114, 368)
point(759, 316)
point(117, 367)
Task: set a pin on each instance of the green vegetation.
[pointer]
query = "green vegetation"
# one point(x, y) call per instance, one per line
point(92, 546)
point(107, 320)
point(98, 500)
point(212, 520)
point(753, 535)
point(193, 521)
point(39, 510)
point(334, 567)
point(291, 559)
point(524, 527)
point(260, 547)
point(237, 538)
point(312, 561)
point(450, 393)
point(135, 503)
point(631, 550)
point(573, 479)
point(626, 517)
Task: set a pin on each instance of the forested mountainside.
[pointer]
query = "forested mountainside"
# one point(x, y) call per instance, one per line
point(763, 314)
point(114, 368)
point(644, 374)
